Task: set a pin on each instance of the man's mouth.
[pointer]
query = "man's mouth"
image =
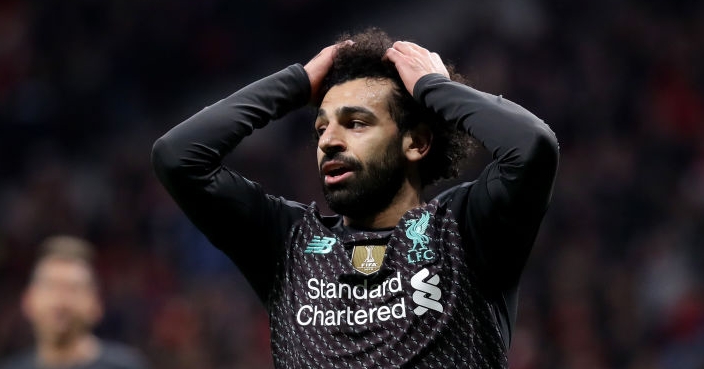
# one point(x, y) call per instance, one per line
point(335, 172)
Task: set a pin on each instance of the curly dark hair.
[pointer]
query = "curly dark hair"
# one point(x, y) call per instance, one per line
point(363, 59)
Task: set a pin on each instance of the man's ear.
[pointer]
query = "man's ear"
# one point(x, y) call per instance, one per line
point(416, 142)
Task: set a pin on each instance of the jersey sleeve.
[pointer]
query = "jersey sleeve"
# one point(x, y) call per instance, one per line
point(234, 213)
point(506, 203)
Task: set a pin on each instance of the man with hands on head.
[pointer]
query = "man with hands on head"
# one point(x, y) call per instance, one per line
point(391, 279)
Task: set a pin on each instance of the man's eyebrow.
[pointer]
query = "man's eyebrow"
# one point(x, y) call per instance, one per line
point(351, 110)
point(347, 111)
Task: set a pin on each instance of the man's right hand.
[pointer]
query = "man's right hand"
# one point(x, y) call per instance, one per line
point(318, 67)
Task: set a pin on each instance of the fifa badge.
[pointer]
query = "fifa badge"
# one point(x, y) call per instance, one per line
point(368, 259)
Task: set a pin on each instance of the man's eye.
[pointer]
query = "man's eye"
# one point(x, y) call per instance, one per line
point(358, 124)
point(319, 131)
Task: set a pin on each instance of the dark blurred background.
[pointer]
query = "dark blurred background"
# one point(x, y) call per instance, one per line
point(615, 278)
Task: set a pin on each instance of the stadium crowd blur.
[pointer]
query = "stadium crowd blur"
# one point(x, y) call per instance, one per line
point(615, 278)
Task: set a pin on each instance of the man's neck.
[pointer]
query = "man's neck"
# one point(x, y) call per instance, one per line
point(407, 198)
point(79, 350)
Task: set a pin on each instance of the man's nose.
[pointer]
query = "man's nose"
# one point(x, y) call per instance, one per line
point(332, 140)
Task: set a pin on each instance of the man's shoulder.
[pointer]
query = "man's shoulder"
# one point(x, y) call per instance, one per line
point(121, 356)
point(21, 360)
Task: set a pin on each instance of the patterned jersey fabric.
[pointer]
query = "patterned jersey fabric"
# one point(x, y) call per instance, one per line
point(416, 308)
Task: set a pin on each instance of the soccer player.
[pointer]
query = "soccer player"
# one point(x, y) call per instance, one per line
point(62, 304)
point(392, 280)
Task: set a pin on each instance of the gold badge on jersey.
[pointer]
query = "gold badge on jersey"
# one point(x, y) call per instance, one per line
point(367, 259)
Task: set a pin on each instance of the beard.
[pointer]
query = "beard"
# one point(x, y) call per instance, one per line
point(63, 331)
point(373, 186)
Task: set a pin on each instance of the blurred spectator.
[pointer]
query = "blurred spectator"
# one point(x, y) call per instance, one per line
point(62, 303)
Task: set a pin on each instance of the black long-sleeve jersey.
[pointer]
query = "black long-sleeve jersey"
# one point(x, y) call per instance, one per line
point(438, 290)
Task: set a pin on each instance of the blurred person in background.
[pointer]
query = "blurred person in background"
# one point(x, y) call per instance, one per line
point(391, 280)
point(62, 303)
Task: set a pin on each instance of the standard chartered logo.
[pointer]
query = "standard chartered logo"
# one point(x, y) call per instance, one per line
point(319, 289)
point(427, 294)
point(385, 297)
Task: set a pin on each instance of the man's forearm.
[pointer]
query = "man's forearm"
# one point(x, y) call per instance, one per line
point(227, 208)
point(525, 148)
point(197, 146)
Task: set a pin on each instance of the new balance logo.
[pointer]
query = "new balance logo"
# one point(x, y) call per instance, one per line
point(320, 245)
point(427, 294)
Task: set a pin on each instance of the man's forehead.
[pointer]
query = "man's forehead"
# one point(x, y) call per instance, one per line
point(67, 268)
point(357, 95)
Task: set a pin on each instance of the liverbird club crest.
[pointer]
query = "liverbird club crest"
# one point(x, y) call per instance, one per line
point(415, 232)
point(367, 259)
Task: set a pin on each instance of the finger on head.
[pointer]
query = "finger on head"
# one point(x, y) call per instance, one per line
point(391, 54)
point(344, 43)
point(407, 44)
point(407, 47)
point(399, 45)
